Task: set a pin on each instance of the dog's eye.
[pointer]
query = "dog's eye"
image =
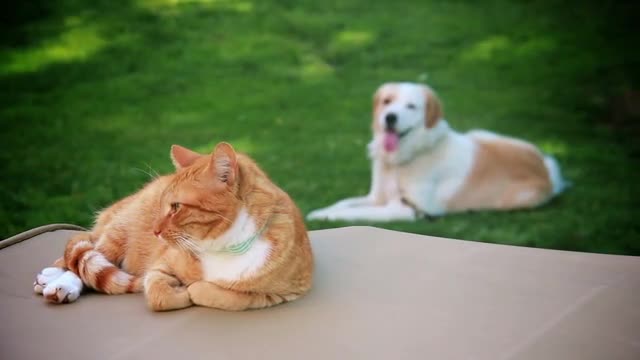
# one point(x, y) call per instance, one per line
point(411, 106)
point(175, 206)
point(386, 101)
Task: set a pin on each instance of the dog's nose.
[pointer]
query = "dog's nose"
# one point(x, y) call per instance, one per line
point(391, 119)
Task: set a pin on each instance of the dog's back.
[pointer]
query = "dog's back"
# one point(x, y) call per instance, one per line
point(507, 173)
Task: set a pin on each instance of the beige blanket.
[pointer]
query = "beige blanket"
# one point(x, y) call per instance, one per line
point(378, 294)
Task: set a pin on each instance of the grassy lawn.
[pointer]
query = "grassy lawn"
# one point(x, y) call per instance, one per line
point(95, 92)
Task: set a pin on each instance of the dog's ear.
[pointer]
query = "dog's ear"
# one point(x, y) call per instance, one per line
point(433, 109)
point(377, 104)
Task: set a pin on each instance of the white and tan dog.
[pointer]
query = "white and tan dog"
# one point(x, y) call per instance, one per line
point(422, 167)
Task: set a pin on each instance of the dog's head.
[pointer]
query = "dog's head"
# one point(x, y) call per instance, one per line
point(400, 109)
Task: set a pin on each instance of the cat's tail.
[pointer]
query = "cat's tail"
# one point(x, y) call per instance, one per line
point(95, 270)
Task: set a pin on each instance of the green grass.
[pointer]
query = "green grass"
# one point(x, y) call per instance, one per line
point(94, 93)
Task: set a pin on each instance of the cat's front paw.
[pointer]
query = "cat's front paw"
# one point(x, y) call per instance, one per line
point(198, 292)
point(204, 293)
point(65, 288)
point(177, 298)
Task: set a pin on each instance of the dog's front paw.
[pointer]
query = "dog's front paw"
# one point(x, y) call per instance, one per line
point(66, 288)
point(320, 214)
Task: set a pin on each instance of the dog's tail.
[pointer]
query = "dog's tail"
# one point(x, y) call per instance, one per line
point(558, 183)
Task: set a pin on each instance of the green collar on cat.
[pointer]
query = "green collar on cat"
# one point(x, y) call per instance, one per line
point(242, 247)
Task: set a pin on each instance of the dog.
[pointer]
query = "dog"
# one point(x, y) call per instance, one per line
point(421, 167)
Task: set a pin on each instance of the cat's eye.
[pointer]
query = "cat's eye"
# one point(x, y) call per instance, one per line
point(175, 206)
point(411, 106)
point(386, 101)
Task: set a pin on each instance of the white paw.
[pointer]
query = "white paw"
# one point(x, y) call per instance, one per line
point(328, 214)
point(320, 214)
point(64, 289)
point(46, 276)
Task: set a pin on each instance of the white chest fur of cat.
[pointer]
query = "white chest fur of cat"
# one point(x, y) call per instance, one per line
point(221, 265)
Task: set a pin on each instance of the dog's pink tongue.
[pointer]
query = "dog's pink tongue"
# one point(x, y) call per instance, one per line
point(390, 141)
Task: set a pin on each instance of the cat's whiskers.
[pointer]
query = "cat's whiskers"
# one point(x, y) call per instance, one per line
point(153, 174)
point(181, 245)
point(223, 217)
point(191, 245)
point(180, 241)
point(174, 241)
point(184, 246)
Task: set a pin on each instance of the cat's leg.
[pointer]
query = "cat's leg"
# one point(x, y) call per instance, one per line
point(57, 284)
point(204, 293)
point(163, 291)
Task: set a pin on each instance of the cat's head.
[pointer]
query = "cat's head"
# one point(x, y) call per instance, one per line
point(201, 201)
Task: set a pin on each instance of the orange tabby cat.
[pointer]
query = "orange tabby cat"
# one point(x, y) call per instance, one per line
point(217, 233)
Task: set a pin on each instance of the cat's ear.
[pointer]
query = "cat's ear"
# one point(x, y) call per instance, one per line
point(182, 157)
point(224, 163)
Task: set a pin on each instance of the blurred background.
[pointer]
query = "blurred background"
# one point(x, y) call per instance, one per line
point(95, 92)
